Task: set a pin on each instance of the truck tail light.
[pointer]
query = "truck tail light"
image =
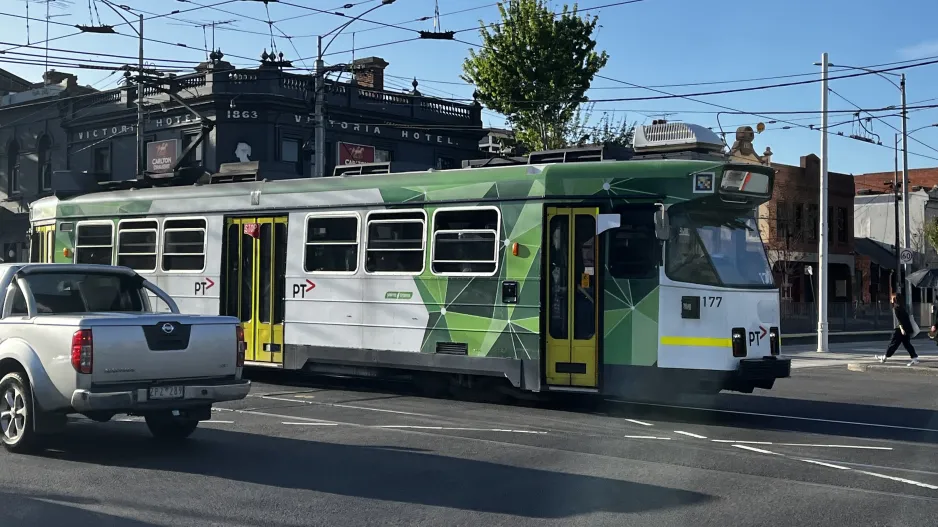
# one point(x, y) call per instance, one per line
point(242, 346)
point(774, 341)
point(739, 342)
point(83, 351)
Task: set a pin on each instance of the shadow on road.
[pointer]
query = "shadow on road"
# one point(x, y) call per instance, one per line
point(42, 510)
point(369, 472)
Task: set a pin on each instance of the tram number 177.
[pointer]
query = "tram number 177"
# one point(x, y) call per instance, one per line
point(711, 301)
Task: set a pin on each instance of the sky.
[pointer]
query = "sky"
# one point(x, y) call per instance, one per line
point(666, 45)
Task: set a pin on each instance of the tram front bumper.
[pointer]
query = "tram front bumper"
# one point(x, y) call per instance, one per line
point(758, 373)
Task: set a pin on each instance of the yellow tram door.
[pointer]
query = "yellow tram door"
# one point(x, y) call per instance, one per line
point(42, 249)
point(572, 297)
point(255, 284)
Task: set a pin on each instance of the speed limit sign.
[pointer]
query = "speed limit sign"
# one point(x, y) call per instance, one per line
point(905, 256)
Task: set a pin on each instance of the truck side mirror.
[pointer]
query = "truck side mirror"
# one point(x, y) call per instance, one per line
point(662, 224)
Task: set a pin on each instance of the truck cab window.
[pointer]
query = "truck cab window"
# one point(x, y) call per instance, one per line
point(19, 303)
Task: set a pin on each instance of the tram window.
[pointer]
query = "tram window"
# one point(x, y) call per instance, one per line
point(633, 248)
point(35, 245)
point(136, 244)
point(465, 241)
point(395, 242)
point(184, 245)
point(331, 244)
point(94, 243)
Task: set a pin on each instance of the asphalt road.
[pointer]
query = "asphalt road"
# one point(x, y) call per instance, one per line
point(827, 447)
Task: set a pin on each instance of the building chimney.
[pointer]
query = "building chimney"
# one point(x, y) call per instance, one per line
point(56, 77)
point(369, 72)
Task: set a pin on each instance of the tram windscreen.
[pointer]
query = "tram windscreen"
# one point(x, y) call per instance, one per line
point(717, 249)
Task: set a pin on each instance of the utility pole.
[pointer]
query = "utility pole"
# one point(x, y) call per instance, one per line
point(822, 227)
point(320, 120)
point(141, 154)
point(905, 192)
point(897, 286)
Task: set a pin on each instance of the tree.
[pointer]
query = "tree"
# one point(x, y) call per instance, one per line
point(534, 68)
point(607, 130)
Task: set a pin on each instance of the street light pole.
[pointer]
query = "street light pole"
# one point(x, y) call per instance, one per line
point(822, 227)
point(140, 148)
point(905, 191)
point(320, 121)
point(895, 199)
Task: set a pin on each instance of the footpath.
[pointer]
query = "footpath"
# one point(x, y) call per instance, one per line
point(858, 355)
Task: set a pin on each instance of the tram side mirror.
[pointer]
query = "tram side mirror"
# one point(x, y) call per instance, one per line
point(662, 224)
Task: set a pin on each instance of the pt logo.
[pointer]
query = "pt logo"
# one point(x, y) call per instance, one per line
point(202, 287)
point(300, 290)
point(757, 336)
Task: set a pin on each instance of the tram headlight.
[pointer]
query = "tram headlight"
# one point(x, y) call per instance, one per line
point(773, 341)
point(739, 342)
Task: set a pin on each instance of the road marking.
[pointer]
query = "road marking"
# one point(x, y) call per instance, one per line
point(757, 414)
point(831, 465)
point(754, 449)
point(340, 405)
point(306, 419)
point(459, 428)
point(840, 446)
point(636, 421)
point(902, 480)
point(309, 424)
point(218, 421)
point(741, 442)
point(647, 437)
point(690, 434)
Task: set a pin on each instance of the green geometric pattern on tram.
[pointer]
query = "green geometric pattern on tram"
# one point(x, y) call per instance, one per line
point(631, 322)
point(470, 310)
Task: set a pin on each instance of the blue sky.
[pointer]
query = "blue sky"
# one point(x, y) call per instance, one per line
point(650, 43)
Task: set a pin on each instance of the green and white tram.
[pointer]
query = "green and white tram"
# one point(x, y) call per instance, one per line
point(601, 277)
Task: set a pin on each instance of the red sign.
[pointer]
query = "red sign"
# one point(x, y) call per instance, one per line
point(251, 229)
point(352, 154)
point(161, 155)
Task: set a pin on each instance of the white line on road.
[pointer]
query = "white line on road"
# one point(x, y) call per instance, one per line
point(741, 442)
point(831, 465)
point(339, 405)
point(636, 421)
point(902, 480)
point(309, 424)
point(690, 434)
point(757, 414)
point(754, 449)
point(840, 446)
point(646, 437)
point(459, 428)
point(218, 421)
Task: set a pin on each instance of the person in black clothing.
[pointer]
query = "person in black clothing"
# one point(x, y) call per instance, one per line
point(902, 334)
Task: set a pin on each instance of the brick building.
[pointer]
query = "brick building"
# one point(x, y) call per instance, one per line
point(789, 224)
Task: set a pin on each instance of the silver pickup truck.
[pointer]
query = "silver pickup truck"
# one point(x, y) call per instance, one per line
point(84, 339)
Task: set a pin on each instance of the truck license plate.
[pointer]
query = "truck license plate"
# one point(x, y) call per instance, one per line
point(166, 392)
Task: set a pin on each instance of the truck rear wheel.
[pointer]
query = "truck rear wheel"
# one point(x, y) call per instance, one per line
point(16, 405)
point(165, 425)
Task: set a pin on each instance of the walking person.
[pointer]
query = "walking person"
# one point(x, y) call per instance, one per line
point(902, 334)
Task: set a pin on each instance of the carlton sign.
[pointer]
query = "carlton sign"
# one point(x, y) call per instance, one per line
point(162, 155)
point(352, 154)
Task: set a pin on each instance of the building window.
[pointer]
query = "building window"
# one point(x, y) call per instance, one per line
point(781, 220)
point(184, 245)
point(830, 223)
point(465, 241)
point(812, 222)
point(195, 156)
point(94, 243)
point(44, 162)
point(396, 242)
point(445, 163)
point(102, 160)
point(798, 226)
point(331, 244)
point(383, 156)
point(13, 168)
point(841, 225)
point(136, 244)
point(290, 148)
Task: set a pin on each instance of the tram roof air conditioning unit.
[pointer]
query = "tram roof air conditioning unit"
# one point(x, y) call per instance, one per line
point(676, 137)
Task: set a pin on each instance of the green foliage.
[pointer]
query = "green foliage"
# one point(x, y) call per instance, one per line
point(534, 68)
point(930, 230)
point(605, 131)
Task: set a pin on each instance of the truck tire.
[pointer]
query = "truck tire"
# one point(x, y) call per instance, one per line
point(166, 426)
point(16, 406)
